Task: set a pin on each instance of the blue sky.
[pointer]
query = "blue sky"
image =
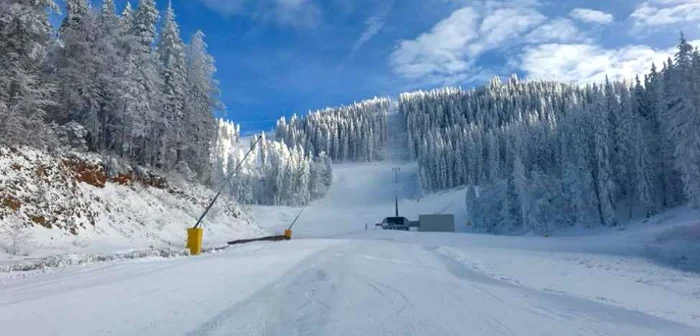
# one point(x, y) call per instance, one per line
point(278, 57)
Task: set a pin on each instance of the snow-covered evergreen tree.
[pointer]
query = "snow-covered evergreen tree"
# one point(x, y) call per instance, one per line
point(521, 192)
point(25, 93)
point(274, 174)
point(171, 53)
point(347, 133)
point(201, 101)
point(79, 67)
point(684, 118)
point(110, 72)
point(596, 154)
point(143, 70)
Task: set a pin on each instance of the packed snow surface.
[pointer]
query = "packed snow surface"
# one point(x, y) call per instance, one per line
point(336, 278)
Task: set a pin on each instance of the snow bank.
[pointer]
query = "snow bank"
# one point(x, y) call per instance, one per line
point(629, 282)
point(27, 267)
point(76, 259)
point(73, 203)
point(679, 244)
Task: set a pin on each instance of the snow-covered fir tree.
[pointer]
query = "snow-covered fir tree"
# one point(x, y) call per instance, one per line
point(274, 174)
point(25, 91)
point(201, 101)
point(171, 53)
point(355, 132)
point(540, 155)
point(146, 119)
point(78, 66)
point(226, 141)
point(139, 94)
point(684, 117)
point(110, 78)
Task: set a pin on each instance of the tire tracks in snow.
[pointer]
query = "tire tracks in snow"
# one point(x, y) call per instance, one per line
point(293, 305)
point(315, 298)
point(386, 288)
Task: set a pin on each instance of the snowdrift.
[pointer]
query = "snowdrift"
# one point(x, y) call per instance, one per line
point(76, 203)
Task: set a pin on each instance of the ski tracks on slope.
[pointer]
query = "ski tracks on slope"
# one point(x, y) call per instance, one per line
point(298, 304)
point(385, 288)
point(324, 296)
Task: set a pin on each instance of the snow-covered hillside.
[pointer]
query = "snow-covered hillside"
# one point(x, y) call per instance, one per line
point(362, 194)
point(69, 204)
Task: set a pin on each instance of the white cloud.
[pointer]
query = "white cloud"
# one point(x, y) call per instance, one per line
point(294, 13)
point(373, 26)
point(558, 30)
point(440, 52)
point(503, 25)
point(448, 52)
point(591, 16)
point(455, 49)
point(665, 12)
point(589, 63)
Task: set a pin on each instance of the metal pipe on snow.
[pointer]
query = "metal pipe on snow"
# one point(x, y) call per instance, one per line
point(228, 179)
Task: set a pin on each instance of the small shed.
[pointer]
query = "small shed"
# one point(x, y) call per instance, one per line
point(437, 223)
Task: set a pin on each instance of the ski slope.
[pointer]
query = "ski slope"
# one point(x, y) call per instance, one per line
point(360, 194)
point(336, 278)
point(358, 286)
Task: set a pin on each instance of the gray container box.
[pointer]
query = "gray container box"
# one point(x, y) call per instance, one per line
point(436, 223)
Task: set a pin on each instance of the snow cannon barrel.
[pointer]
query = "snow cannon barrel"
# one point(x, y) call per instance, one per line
point(288, 234)
point(194, 240)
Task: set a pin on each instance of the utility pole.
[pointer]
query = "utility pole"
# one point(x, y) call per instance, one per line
point(396, 188)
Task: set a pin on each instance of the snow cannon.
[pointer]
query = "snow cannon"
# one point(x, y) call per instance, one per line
point(288, 234)
point(194, 240)
point(195, 233)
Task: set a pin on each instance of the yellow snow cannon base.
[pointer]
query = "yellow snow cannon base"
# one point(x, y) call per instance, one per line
point(288, 234)
point(194, 240)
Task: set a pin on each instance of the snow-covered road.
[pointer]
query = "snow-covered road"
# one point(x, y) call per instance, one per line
point(306, 287)
point(335, 278)
point(387, 288)
point(145, 297)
